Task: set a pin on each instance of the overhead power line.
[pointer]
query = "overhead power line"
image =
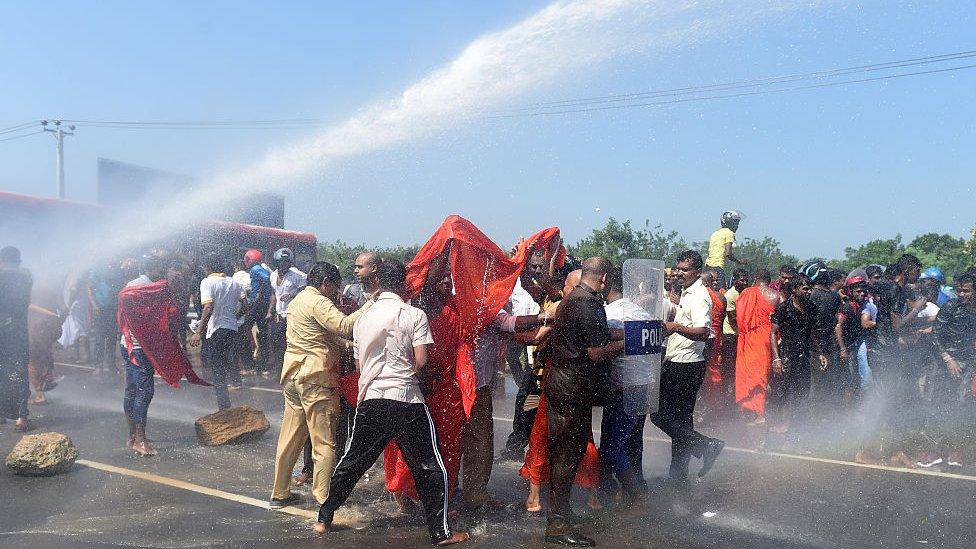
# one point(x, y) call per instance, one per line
point(605, 107)
point(740, 88)
point(19, 127)
point(754, 82)
point(22, 136)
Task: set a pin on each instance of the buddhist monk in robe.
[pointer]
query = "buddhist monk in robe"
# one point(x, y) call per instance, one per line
point(753, 360)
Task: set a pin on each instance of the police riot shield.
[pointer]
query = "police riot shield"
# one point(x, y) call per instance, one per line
point(643, 326)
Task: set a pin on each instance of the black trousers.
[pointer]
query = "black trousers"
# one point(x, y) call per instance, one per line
point(105, 340)
point(377, 421)
point(277, 341)
point(518, 364)
point(569, 431)
point(789, 390)
point(680, 382)
point(729, 350)
point(220, 352)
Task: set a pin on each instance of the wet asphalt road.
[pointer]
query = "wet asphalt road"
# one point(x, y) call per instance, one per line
point(749, 500)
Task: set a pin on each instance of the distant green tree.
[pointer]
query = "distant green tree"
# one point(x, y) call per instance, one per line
point(618, 242)
point(764, 253)
point(344, 255)
point(879, 252)
point(952, 255)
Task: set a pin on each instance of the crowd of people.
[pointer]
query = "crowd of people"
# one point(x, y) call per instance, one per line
point(882, 354)
point(403, 362)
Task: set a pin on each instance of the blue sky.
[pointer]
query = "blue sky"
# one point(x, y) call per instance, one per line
point(819, 169)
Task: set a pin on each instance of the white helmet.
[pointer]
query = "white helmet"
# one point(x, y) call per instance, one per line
point(731, 217)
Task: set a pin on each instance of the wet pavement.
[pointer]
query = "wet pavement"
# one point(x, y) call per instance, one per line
point(751, 499)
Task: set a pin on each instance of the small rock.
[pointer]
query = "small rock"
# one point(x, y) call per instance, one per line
point(42, 454)
point(231, 425)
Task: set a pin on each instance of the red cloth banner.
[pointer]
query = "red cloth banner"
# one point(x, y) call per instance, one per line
point(146, 312)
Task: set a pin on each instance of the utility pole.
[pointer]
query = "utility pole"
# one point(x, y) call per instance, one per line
point(59, 134)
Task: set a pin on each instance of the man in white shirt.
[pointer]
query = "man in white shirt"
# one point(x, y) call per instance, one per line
point(622, 428)
point(221, 298)
point(684, 370)
point(286, 282)
point(390, 345)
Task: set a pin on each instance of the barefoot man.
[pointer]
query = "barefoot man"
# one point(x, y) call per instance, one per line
point(390, 345)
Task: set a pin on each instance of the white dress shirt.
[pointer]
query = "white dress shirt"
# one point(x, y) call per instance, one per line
point(694, 310)
point(286, 288)
point(383, 341)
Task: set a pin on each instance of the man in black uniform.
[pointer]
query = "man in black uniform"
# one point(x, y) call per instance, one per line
point(581, 349)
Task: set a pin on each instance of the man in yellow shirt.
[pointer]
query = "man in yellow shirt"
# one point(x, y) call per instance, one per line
point(720, 246)
point(318, 335)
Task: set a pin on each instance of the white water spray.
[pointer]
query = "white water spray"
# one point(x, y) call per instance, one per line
point(549, 46)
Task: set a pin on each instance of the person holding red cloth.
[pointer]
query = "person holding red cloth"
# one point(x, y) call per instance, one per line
point(149, 319)
point(482, 277)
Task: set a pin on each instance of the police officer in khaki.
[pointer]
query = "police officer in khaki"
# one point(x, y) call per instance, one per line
point(318, 335)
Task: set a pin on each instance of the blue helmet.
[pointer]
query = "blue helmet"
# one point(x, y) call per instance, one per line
point(934, 272)
point(283, 253)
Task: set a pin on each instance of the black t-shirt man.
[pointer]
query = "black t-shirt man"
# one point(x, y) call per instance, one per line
point(826, 302)
point(955, 331)
point(580, 323)
point(889, 298)
point(851, 328)
point(795, 328)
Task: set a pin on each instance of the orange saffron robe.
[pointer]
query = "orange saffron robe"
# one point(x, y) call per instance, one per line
point(752, 362)
point(712, 389)
point(483, 277)
point(536, 466)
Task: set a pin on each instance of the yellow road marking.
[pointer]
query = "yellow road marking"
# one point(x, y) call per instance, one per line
point(79, 366)
point(189, 486)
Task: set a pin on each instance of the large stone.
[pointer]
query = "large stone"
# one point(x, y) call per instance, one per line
point(231, 425)
point(42, 454)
